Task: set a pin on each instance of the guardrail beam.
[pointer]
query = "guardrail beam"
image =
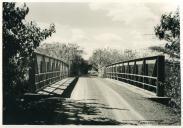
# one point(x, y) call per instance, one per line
point(137, 72)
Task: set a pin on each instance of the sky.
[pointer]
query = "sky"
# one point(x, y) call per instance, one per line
point(101, 25)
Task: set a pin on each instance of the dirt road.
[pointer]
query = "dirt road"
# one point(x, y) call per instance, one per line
point(120, 104)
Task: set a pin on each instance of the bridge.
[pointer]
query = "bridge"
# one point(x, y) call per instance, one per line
point(127, 93)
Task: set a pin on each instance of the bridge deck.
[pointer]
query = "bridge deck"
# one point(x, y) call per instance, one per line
point(97, 101)
point(121, 102)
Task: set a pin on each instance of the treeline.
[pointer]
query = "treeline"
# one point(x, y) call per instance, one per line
point(70, 53)
point(105, 56)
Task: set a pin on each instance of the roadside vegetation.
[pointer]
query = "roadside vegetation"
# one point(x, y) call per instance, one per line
point(169, 30)
point(20, 39)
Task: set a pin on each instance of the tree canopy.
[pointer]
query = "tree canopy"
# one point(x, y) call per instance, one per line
point(169, 30)
point(20, 38)
point(106, 56)
point(70, 53)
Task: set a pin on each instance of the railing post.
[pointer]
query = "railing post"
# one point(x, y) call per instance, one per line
point(60, 66)
point(49, 67)
point(160, 75)
point(32, 72)
point(61, 70)
point(110, 74)
point(44, 70)
point(65, 74)
point(134, 71)
point(68, 70)
point(123, 71)
point(105, 71)
point(144, 71)
point(128, 71)
point(116, 76)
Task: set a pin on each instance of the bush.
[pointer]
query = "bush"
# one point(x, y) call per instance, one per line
point(173, 85)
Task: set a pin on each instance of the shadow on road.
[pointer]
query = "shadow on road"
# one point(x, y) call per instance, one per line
point(81, 112)
point(65, 111)
point(56, 110)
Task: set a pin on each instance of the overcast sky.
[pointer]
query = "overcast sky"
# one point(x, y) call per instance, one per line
point(101, 25)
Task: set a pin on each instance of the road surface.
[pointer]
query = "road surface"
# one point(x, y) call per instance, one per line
point(109, 101)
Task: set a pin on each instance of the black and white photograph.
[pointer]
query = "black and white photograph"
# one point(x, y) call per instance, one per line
point(91, 63)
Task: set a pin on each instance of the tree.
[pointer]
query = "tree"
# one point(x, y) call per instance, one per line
point(169, 30)
point(106, 56)
point(20, 38)
point(70, 53)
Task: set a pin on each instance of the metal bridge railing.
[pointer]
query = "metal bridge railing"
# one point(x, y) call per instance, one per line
point(147, 73)
point(46, 70)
